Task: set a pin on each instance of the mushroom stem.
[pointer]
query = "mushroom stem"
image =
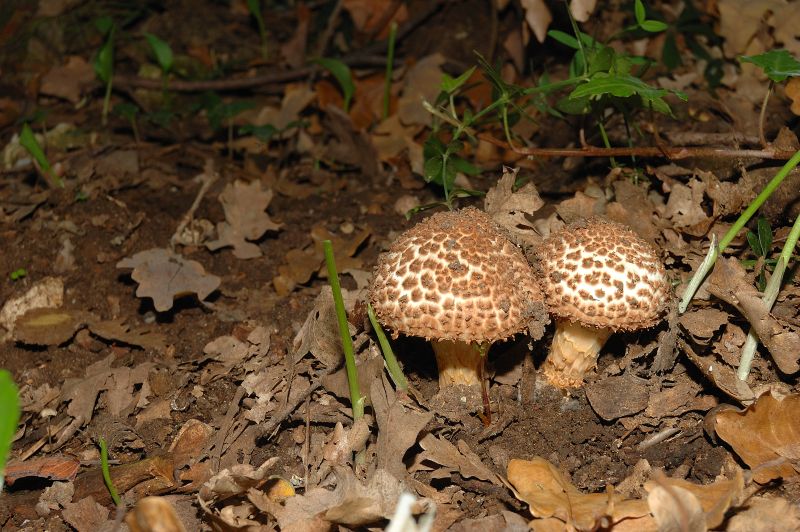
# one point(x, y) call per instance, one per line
point(458, 362)
point(573, 353)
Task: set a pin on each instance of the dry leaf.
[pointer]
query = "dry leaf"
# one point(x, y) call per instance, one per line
point(538, 17)
point(778, 513)
point(86, 515)
point(459, 459)
point(49, 326)
point(676, 510)
point(513, 210)
point(581, 9)
point(54, 497)
point(319, 335)
point(154, 514)
point(296, 98)
point(366, 14)
point(69, 81)
point(766, 435)
point(245, 218)
point(163, 275)
point(793, 92)
point(618, 396)
point(55, 467)
point(422, 83)
point(549, 494)
point(47, 293)
point(120, 331)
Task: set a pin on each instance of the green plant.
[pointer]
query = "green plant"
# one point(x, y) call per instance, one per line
point(9, 417)
point(761, 244)
point(697, 33)
point(18, 274)
point(777, 65)
point(107, 472)
point(220, 112)
point(356, 399)
point(387, 82)
point(28, 141)
point(714, 250)
point(104, 61)
point(129, 112)
point(343, 76)
point(254, 6)
point(395, 371)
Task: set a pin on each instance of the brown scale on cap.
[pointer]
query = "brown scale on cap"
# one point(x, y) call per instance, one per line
point(598, 277)
point(602, 274)
point(455, 276)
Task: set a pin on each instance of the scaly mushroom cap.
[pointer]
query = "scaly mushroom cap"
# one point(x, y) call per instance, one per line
point(455, 276)
point(602, 274)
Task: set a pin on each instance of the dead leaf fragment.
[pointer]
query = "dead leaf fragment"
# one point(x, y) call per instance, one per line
point(47, 293)
point(120, 331)
point(87, 515)
point(778, 512)
point(549, 494)
point(163, 275)
point(49, 326)
point(513, 210)
point(246, 219)
point(766, 435)
point(153, 514)
point(459, 459)
point(676, 510)
point(68, 81)
point(538, 17)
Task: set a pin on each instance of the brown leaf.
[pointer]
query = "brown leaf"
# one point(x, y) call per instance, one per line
point(778, 512)
point(549, 494)
point(49, 326)
point(163, 276)
point(681, 505)
point(54, 467)
point(460, 459)
point(154, 514)
point(422, 82)
point(245, 218)
point(120, 331)
point(513, 210)
point(69, 81)
point(86, 515)
point(538, 17)
point(703, 323)
point(319, 335)
point(618, 396)
point(766, 435)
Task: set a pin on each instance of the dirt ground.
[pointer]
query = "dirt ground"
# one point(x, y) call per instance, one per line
point(213, 368)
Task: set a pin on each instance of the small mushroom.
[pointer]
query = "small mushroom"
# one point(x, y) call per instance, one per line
point(599, 277)
point(456, 280)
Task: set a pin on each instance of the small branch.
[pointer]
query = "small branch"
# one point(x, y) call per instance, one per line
point(673, 153)
point(762, 115)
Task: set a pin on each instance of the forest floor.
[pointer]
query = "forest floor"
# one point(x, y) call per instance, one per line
point(170, 299)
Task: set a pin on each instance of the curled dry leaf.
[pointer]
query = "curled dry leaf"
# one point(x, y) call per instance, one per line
point(511, 209)
point(766, 435)
point(163, 275)
point(550, 495)
point(246, 219)
point(319, 335)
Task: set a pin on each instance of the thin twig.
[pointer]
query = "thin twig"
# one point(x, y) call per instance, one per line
point(673, 153)
point(208, 177)
point(327, 33)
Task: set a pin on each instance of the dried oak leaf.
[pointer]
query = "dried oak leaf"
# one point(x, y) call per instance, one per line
point(163, 275)
point(245, 218)
point(511, 208)
point(766, 435)
point(49, 326)
point(550, 495)
point(120, 331)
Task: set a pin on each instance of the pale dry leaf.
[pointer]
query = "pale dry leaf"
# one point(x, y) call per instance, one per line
point(676, 510)
point(49, 326)
point(87, 515)
point(319, 335)
point(296, 98)
point(55, 497)
point(120, 331)
point(459, 459)
point(246, 219)
point(741, 20)
point(47, 293)
point(153, 514)
point(538, 17)
point(684, 208)
point(769, 514)
point(187, 445)
point(581, 9)
point(549, 494)
point(766, 435)
point(163, 275)
point(366, 14)
point(70, 80)
point(422, 83)
point(512, 209)
point(122, 382)
point(235, 480)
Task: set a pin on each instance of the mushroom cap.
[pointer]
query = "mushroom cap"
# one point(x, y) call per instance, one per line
point(602, 274)
point(455, 276)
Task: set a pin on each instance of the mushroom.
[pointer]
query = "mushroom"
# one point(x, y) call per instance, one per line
point(456, 280)
point(599, 277)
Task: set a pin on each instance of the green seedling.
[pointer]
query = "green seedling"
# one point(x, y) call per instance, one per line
point(778, 65)
point(104, 61)
point(254, 6)
point(165, 58)
point(112, 490)
point(387, 82)
point(9, 418)
point(715, 250)
point(28, 141)
point(18, 274)
point(226, 112)
point(761, 245)
point(394, 369)
point(697, 33)
point(771, 291)
point(343, 76)
point(356, 399)
point(129, 112)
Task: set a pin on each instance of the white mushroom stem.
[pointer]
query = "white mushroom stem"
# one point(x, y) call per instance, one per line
point(573, 353)
point(459, 362)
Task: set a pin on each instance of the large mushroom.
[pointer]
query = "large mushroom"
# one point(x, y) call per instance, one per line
point(599, 277)
point(456, 280)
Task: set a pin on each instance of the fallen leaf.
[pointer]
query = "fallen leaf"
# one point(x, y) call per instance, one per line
point(163, 275)
point(366, 14)
point(47, 293)
point(538, 17)
point(319, 335)
point(779, 513)
point(703, 323)
point(422, 83)
point(70, 80)
point(87, 515)
point(49, 326)
point(461, 459)
point(676, 510)
point(618, 396)
point(152, 514)
point(55, 467)
point(54, 497)
point(246, 219)
point(549, 494)
point(766, 435)
point(120, 331)
point(684, 208)
point(296, 98)
point(513, 210)
point(581, 9)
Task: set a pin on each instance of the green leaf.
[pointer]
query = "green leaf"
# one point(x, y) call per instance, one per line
point(670, 55)
point(28, 141)
point(653, 26)
point(226, 111)
point(564, 38)
point(104, 61)
point(17, 274)
point(126, 110)
point(254, 6)
point(755, 245)
point(263, 133)
point(620, 86)
point(104, 24)
point(776, 64)
point(162, 51)
point(764, 235)
point(9, 417)
point(450, 84)
point(342, 74)
point(639, 12)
